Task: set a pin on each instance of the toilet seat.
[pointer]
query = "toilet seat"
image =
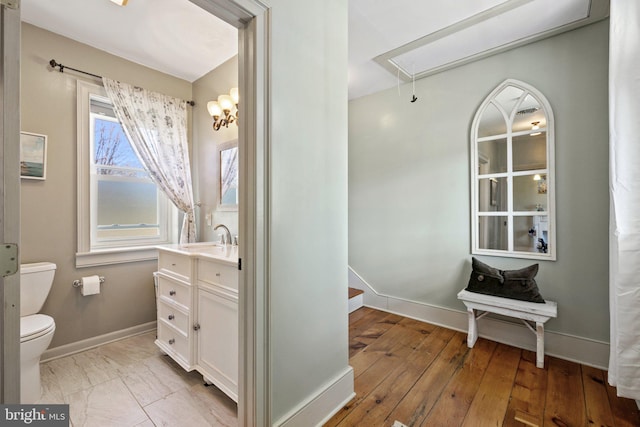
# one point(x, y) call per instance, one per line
point(35, 326)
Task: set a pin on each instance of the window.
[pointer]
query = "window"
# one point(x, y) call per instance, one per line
point(122, 213)
point(512, 173)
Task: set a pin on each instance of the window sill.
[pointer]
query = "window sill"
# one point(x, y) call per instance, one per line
point(116, 256)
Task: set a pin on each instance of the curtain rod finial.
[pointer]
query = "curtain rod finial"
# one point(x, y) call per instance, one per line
point(55, 64)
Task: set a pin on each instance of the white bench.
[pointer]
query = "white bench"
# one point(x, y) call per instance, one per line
point(479, 305)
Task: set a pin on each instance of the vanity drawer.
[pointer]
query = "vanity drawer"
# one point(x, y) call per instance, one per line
point(174, 291)
point(173, 316)
point(174, 341)
point(218, 274)
point(175, 263)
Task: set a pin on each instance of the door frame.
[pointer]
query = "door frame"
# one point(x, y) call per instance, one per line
point(10, 200)
point(252, 18)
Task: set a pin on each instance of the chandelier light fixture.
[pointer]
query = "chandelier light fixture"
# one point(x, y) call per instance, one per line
point(225, 110)
point(535, 126)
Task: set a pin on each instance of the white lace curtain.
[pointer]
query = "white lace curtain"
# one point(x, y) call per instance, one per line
point(156, 125)
point(624, 158)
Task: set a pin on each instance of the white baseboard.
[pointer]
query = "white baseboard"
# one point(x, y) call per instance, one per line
point(329, 400)
point(89, 343)
point(569, 347)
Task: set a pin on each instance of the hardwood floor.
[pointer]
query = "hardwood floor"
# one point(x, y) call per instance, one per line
point(424, 375)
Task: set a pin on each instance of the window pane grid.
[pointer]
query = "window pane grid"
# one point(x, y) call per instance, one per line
point(512, 206)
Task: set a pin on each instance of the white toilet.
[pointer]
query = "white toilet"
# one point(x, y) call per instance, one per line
point(36, 330)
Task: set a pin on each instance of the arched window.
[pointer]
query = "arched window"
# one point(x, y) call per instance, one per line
point(512, 174)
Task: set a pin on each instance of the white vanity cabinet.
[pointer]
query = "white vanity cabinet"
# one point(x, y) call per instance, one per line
point(197, 304)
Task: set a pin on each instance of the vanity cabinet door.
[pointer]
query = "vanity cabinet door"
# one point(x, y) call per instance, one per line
point(218, 338)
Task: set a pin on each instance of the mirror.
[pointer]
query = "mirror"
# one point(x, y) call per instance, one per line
point(512, 169)
point(228, 167)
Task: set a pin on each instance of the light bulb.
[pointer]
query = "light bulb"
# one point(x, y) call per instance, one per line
point(235, 95)
point(226, 103)
point(214, 109)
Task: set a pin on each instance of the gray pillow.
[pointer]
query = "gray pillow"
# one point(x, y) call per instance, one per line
point(514, 284)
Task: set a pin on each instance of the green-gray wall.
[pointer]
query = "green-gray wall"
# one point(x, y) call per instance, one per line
point(409, 212)
point(308, 200)
point(48, 208)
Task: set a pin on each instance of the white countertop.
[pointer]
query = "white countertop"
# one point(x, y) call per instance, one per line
point(225, 253)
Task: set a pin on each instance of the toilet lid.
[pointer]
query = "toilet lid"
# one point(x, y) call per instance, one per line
point(35, 325)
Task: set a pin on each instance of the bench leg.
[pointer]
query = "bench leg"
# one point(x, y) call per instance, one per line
point(540, 345)
point(472, 337)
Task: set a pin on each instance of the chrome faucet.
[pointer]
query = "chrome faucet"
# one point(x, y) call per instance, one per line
point(226, 238)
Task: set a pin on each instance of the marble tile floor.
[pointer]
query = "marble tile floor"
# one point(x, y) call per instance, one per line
point(131, 383)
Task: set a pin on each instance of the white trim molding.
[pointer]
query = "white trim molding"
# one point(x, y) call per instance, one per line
point(116, 256)
point(318, 409)
point(563, 346)
point(89, 343)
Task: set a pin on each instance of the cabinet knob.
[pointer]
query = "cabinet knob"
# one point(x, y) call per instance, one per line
point(171, 317)
point(172, 292)
point(196, 326)
point(171, 341)
point(217, 274)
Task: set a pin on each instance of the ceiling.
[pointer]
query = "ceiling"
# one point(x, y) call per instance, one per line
point(172, 36)
point(388, 41)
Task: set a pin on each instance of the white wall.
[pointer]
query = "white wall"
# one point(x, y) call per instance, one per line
point(308, 215)
point(409, 213)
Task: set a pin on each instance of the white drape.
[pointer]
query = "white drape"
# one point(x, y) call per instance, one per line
point(624, 158)
point(156, 125)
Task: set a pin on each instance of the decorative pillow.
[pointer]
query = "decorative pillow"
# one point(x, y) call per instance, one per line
point(515, 284)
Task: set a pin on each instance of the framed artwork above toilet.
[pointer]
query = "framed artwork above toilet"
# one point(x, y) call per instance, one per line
point(33, 155)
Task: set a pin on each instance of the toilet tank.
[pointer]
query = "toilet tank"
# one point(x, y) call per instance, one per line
point(35, 283)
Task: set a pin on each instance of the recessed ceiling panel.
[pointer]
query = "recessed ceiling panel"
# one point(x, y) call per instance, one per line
point(520, 23)
point(420, 38)
point(402, 21)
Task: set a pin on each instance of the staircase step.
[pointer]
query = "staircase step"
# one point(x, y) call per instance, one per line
point(356, 299)
point(353, 292)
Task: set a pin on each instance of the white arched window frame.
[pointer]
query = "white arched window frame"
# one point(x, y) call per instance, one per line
point(513, 174)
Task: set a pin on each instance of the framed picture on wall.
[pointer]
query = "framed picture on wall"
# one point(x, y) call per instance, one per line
point(33, 155)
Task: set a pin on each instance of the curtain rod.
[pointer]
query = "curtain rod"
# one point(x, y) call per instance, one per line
point(61, 67)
